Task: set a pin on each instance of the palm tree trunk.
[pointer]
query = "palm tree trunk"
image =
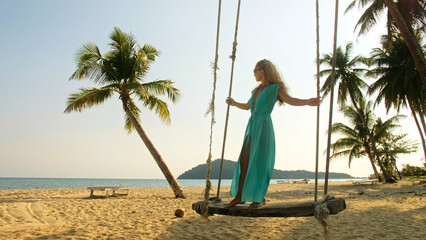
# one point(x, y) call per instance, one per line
point(411, 41)
point(418, 128)
point(387, 177)
point(371, 158)
point(177, 190)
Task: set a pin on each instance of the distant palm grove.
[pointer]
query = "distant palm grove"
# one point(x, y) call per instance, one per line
point(396, 72)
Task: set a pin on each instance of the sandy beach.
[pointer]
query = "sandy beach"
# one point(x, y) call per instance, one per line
point(391, 211)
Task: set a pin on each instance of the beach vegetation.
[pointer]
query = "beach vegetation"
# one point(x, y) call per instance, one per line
point(390, 145)
point(351, 87)
point(410, 171)
point(404, 15)
point(121, 71)
point(397, 82)
point(354, 142)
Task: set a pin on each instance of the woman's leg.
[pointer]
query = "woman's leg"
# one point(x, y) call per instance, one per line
point(244, 161)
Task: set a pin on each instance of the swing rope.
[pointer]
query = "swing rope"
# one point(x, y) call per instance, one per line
point(321, 211)
point(318, 107)
point(233, 56)
point(333, 79)
point(211, 110)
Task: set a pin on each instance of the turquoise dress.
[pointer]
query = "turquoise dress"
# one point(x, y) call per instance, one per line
point(262, 147)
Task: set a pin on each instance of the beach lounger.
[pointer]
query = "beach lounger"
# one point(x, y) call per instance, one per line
point(116, 191)
point(365, 181)
point(283, 181)
point(301, 181)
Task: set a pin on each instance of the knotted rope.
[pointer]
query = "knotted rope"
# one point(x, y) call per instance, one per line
point(321, 214)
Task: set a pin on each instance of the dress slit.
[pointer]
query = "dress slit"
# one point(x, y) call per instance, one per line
point(244, 162)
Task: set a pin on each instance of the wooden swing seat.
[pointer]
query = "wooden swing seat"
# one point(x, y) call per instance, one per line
point(301, 209)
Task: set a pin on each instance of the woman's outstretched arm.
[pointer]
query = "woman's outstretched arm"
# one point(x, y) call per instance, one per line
point(296, 101)
point(243, 106)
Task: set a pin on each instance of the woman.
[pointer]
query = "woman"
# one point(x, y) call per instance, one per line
point(257, 157)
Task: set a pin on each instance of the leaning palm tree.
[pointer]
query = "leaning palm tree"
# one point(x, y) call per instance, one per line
point(405, 15)
point(121, 71)
point(355, 142)
point(398, 83)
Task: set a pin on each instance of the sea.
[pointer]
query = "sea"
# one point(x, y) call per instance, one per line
point(48, 183)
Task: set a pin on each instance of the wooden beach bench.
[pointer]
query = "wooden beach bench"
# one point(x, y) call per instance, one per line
point(283, 181)
point(116, 191)
point(301, 181)
point(365, 181)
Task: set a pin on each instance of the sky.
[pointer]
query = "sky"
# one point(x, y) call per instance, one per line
point(41, 37)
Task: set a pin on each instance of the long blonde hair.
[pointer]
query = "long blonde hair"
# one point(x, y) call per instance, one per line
point(271, 74)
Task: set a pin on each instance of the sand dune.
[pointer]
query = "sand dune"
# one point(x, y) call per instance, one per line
point(391, 211)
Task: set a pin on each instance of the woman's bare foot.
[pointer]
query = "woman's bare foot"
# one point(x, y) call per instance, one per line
point(258, 205)
point(234, 202)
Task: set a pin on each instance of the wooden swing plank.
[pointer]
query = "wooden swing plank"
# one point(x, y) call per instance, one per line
point(301, 209)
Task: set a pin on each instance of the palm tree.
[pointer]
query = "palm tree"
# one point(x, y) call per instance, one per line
point(350, 85)
point(390, 145)
point(405, 15)
point(122, 71)
point(398, 83)
point(347, 71)
point(355, 143)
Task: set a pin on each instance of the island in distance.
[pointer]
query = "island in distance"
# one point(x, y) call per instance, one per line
point(199, 172)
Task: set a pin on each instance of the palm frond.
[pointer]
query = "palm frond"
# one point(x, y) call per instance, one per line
point(121, 56)
point(340, 154)
point(121, 42)
point(150, 52)
point(140, 66)
point(163, 87)
point(369, 18)
point(356, 152)
point(92, 65)
point(326, 87)
point(345, 143)
point(324, 72)
point(87, 58)
point(397, 81)
point(350, 6)
point(87, 97)
point(344, 130)
point(160, 108)
point(136, 112)
point(156, 88)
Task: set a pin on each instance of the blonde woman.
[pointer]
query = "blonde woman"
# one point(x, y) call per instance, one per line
point(257, 157)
